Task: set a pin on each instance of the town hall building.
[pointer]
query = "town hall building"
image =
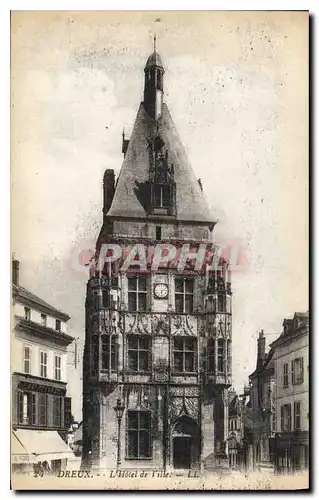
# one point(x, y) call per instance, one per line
point(157, 358)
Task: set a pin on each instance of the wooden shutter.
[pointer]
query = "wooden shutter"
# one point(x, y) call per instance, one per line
point(292, 371)
point(282, 418)
point(289, 416)
point(301, 370)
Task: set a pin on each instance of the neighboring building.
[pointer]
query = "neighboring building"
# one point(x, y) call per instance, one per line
point(292, 397)
point(262, 382)
point(239, 427)
point(158, 342)
point(41, 411)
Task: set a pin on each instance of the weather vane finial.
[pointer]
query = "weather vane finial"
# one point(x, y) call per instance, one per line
point(154, 43)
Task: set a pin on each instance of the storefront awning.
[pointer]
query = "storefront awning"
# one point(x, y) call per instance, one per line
point(38, 446)
point(19, 455)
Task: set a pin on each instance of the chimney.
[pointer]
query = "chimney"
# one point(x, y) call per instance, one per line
point(15, 272)
point(108, 189)
point(261, 342)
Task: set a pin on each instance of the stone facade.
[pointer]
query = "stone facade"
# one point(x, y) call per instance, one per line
point(291, 360)
point(157, 340)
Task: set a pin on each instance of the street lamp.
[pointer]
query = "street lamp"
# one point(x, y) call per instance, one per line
point(119, 410)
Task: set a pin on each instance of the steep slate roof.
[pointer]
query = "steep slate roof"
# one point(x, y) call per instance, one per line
point(25, 295)
point(191, 204)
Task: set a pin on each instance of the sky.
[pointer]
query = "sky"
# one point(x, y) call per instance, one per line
point(236, 85)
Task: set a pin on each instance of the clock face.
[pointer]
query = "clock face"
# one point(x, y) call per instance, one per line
point(161, 291)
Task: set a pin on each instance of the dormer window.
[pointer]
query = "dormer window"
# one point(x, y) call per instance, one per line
point(161, 178)
point(162, 196)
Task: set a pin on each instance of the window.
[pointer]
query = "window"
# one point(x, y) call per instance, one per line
point(26, 408)
point(139, 358)
point(27, 313)
point(57, 367)
point(286, 418)
point(43, 364)
point(286, 380)
point(297, 371)
point(221, 303)
point(96, 301)
point(139, 434)
point(229, 359)
point(137, 293)
point(158, 232)
point(44, 319)
point(43, 409)
point(27, 359)
point(162, 196)
point(105, 298)
point(58, 325)
point(297, 416)
point(211, 355)
point(95, 352)
point(184, 293)
point(57, 413)
point(184, 354)
point(108, 352)
point(220, 355)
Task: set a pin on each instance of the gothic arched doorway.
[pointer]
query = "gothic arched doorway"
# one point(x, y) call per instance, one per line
point(186, 443)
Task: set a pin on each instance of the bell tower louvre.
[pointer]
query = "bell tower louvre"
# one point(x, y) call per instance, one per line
point(157, 358)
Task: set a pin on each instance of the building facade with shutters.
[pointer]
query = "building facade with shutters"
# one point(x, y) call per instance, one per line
point(262, 397)
point(158, 323)
point(292, 394)
point(41, 412)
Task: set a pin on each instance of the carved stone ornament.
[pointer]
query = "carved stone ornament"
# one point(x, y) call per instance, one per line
point(160, 324)
point(180, 406)
point(184, 325)
point(138, 323)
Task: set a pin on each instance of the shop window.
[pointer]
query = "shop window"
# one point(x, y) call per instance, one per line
point(26, 408)
point(43, 409)
point(57, 411)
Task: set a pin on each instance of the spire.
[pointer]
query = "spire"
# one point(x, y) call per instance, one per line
point(153, 87)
